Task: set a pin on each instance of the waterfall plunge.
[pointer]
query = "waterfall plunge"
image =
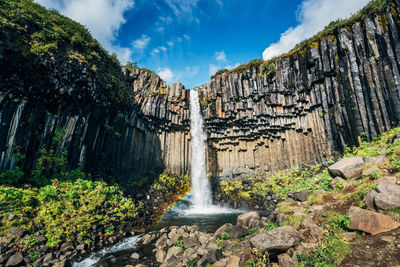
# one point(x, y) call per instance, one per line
point(201, 192)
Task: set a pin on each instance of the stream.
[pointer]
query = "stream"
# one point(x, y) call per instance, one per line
point(200, 212)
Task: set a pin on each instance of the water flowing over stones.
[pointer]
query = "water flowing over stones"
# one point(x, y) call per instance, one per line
point(303, 110)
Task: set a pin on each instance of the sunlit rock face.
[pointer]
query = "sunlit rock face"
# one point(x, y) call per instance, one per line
point(304, 107)
point(299, 108)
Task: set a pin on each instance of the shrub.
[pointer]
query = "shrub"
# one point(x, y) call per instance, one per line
point(225, 236)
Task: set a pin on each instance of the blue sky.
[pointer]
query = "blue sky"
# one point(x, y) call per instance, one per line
point(189, 40)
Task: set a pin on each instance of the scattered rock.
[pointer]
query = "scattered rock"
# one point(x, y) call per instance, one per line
point(18, 231)
point(135, 256)
point(48, 257)
point(233, 261)
point(370, 170)
point(234, 231)
point(160, 255)
point(12, 217)
point(375, 160)
point(386, 179)
point(369, 200)
point(67, 246)
point(347, 168)
point(15, 260)
point(349, 235)
point(369, 221)
point(388, 196)
point(245, 218)
point(285, 260)
point(278, 239)
point(4, 257)
point(300, 196)
point(147, 239)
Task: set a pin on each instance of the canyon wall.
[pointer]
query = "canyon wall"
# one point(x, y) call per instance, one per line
point(302, 107)
point(148, 135)
point(305, 106)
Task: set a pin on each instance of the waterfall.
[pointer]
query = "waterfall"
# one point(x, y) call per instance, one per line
point(201, 192)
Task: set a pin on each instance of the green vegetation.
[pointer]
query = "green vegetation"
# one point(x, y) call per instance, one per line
point(64, 210)
point(356, 198)
point(172, 184)
point(253, 190)
point(162, 91)
point(225, 236)
point(191, 263)
point(335, 247)
point(38, 33)
point(179, 244)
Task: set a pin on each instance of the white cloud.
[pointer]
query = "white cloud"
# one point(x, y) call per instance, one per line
point(182, 8)
point(166, 74)
point(220, 56)
point(170, 43)
point(313, 16)
point(141, 43)
point(155, 51)
point(163, 48)
point(187, 37)
point(212, 69)
point(103, 18)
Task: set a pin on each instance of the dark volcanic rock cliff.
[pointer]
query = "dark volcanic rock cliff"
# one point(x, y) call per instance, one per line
point(305, 106)
point(302, 107)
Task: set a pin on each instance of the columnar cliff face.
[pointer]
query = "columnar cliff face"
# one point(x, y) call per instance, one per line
point(146, 136)
point(299, 108)
point(304, 107)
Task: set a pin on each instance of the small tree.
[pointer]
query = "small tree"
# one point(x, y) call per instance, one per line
point(132, 65)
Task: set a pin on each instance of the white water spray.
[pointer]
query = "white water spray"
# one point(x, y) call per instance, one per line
point(201, 191)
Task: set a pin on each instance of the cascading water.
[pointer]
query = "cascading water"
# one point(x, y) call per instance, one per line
point(200, 196)
point(201, 192)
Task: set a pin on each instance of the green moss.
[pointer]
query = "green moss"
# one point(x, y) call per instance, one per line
point(334, 247)
point(40, 33)
point(356, 198)
point(293, 220)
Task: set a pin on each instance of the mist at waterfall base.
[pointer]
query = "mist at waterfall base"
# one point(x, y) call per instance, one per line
point(196, 208)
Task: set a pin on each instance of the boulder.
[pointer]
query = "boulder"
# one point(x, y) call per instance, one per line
point(162, 241)
point(174, 252)
point(15, 260)
point(369, 200)
point(375, 160)
point(278, 239)
point(370, 170)
point(388, 196)
point(369, 221)
point(300, 196)
point(191, 241)
point(160, 255)
point(347, 168)
point(135, 256)
point(247, 218)
point(386, 179)
point(18, 231)
point(285, 260)
point(233, 261)
point(234, 231)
